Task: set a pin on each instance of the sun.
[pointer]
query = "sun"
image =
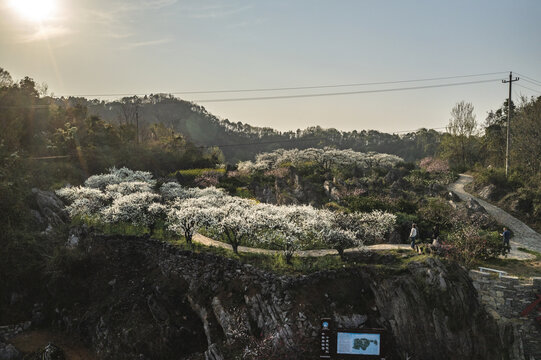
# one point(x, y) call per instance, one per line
point(34, 10)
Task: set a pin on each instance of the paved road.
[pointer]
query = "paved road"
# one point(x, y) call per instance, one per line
point(523, 235)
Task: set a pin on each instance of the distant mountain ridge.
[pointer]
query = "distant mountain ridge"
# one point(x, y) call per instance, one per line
point(239, 141)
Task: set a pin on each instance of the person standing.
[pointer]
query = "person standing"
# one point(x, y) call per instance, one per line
point(506, 234)
point(413, 235)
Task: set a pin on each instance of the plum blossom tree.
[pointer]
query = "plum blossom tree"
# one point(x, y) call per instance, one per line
point(289, 228)
point(234, 221)
point(339, 230)
point(117, 176)
point(327, 159)
point(124, 196)
point(83, 201)
point(186, 216)
point(374, 225)
point(132, 208)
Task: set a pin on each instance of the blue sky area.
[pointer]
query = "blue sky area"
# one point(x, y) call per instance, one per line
point(104, 47)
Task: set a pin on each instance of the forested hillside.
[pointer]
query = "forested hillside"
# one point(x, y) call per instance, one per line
point(239, 141)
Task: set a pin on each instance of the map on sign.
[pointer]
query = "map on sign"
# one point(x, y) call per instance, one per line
point(358, 343)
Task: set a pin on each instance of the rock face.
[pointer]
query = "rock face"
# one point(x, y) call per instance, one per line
point(144, 299)
point(49, 352)
point(50, 209)
point(488, 192)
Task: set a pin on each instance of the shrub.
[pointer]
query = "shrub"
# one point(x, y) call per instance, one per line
point(494, 176)
point(434, 165)
point(468, 245)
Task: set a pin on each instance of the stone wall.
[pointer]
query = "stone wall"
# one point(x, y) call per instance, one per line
point(505, 298)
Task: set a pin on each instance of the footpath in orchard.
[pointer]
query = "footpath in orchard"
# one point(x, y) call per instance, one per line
point(198, 238)
point(523, 235)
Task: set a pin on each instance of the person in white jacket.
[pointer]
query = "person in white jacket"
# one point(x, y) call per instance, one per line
point(413, 235)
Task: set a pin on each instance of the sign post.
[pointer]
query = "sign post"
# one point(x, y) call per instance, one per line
point(325, 339)
point(344, 344)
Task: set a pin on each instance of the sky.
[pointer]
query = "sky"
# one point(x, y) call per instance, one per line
point(100, 48)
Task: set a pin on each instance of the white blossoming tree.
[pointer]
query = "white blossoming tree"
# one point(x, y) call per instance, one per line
point(120, 196)
point(338, 230)
point(374, 225)
point(83, 201)
point(327, 159)
point(234, 221)
point(186, 216)
point(289, 228)
point(117, 176)
point(132, 209)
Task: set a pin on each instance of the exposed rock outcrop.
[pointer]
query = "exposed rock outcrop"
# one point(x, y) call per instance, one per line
point(489, 192)
point(50, 211)
point(168, 303)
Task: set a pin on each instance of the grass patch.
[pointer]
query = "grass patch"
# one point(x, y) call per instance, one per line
point(520, 268)
point(531, 252)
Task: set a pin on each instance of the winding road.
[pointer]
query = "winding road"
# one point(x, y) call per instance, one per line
point(523, 235)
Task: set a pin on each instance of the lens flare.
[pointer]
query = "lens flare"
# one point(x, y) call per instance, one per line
point(34, 10)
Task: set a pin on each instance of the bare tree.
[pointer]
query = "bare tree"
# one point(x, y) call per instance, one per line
point(458, 146)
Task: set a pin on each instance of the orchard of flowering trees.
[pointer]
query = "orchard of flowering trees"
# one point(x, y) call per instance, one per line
point(327, 159)
point(132, 197)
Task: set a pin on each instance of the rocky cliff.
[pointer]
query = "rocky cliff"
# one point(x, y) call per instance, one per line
point(140, 298)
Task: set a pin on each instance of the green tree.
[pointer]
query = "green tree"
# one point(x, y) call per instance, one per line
point(526, 137)
point(494, 138)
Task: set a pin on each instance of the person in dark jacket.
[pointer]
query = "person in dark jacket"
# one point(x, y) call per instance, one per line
point(506, 234)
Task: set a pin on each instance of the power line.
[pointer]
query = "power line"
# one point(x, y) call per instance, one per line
point(299, 87)
point(531, 82)
point(343, 93)
point(296, 96)
point(525, 87)
point(529, 78)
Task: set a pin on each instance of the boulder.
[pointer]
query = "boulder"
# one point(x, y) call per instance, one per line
point(474, 207)
point(488, 192)
point(50, 208)
point(452, 196)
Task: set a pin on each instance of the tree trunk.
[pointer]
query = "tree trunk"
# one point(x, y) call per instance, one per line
point(289, 256)
point(341, 253)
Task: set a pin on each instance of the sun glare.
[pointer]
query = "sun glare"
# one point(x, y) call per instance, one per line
point(34, 10)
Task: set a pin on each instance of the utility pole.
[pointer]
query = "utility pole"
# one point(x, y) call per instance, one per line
point(510, 81)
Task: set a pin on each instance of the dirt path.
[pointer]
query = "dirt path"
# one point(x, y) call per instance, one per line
point(523, 235)
point(198, 238)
